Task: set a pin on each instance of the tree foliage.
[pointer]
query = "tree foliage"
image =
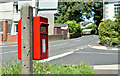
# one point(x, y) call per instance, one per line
point(98, 10)
point(69, 11)
point(73, 11)
point(74, 27)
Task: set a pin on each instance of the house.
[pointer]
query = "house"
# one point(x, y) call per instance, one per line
point(10, 15)
point(110, 9)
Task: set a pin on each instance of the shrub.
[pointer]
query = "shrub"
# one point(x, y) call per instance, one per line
point(74, 27)
point(109, 32)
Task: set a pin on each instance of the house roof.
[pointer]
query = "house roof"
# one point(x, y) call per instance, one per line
point(61, 25)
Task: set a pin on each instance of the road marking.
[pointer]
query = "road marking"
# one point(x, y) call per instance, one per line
point(56, 57)
point(76, 49)
point(8, 52)
point(85, 46)
point(81, 48)
point(77, 40)
point(9, 46)
point(97, 53)
point(59, 44)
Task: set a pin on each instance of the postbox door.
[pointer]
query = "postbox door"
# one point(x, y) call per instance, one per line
point(44, 45)
point(44, 42)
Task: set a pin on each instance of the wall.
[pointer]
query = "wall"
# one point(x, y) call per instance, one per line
point(1, 39)
point(12, 38)
point(6, 10)
point(65, 34)
point(74, 35)
point(57, 31)
point(5, 30)
point(109, 11)
point(55, 37)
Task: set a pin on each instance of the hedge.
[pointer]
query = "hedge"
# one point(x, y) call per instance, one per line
point(109, 32)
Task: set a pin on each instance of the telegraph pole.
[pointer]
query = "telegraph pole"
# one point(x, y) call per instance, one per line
point(26, 36)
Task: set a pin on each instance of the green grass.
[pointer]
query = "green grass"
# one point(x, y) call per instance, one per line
point(47, 68)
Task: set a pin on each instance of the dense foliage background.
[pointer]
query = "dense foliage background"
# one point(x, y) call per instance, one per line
point(74, 27)
point(109, 31)
point(77, 11)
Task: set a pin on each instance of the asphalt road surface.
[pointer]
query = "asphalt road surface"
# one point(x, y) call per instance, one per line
point(72, 51)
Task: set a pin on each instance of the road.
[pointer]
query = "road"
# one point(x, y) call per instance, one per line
point(72, 51)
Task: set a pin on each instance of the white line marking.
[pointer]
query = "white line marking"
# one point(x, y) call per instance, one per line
point(60, 44)
point(9, 46)
point(85, 46)
point(76, 49)
point(8, 52)
point(77, 40)
point(56, 57)
point(81, 48)
point(97, 53)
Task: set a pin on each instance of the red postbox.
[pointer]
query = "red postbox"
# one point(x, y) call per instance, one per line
point(40, 38)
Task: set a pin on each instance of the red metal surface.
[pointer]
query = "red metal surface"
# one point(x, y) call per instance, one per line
point(19, 39)
point(37, 38)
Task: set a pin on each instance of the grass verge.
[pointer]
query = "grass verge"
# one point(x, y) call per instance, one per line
point(48, 68)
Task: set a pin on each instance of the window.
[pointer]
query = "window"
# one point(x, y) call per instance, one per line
point(15, 8)
point(16, 28)
point(1, 27)
point(106, 2)
point(116, 9)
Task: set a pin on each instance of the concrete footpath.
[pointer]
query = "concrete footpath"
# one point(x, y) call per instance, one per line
point(98, 46)
point(106, 69)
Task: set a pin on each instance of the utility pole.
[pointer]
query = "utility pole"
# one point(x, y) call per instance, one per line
point(26, 36)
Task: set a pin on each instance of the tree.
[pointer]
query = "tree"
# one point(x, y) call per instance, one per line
point(98, 10)
point(73, 11)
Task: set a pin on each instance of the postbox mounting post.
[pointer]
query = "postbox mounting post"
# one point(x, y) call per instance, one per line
point(27, 38)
